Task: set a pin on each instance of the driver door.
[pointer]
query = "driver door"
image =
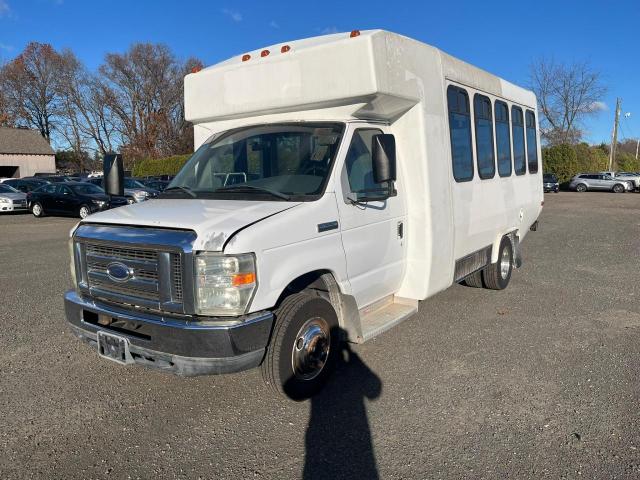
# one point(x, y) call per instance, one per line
point(373, 232)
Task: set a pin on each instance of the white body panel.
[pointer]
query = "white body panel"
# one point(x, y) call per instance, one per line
point(379, 80)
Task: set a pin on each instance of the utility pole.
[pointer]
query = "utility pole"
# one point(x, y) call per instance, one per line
point(637, 145)
point(614, 136)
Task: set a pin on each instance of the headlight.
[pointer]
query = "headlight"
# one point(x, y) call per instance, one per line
point(4, 200)
point(224, 284)
point(100, 203)
point(140, 195)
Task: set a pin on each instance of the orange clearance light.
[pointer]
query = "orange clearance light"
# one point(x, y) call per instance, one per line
point(265, 53)
point(196, 69)
point(354, 33)
point(285, 49)
point(243, 279)
point(246, 57)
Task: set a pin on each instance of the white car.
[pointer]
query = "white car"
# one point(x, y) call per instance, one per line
point(12, 200)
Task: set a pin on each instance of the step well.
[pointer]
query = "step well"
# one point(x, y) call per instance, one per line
point(384, 314)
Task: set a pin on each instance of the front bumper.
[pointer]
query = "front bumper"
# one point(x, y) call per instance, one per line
point(551, 187)
point(178, 345)
point(14, 207)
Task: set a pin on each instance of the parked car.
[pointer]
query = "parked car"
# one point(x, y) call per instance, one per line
point(630, 176)
point(159, 185)
point(134, 191)
point(25, 185)
point(12, 200)
point(71, 198)
point(550, 183)
point(51, 178)
point(598, 181)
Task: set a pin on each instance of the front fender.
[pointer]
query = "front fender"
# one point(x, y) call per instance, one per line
point(289, 245)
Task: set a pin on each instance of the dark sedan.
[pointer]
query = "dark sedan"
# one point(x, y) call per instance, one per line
point(71, 198)
point(25, 185)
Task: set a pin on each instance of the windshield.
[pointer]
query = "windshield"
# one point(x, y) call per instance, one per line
point(548, 177)
point(131, 183)
point(281, 162)
point(87, 189)
point(7, 189)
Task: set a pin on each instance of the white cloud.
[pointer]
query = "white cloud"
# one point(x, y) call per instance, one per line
point(599, 107)
point(4, 8)
point(5, 47)
point(232, 14)
point(274, 24)
point(329, 30)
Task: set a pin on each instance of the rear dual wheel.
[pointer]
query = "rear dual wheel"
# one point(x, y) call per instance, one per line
point(495, 276)
point(303, 348)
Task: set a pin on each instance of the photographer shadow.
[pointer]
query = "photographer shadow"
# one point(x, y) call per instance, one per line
point(338, 439)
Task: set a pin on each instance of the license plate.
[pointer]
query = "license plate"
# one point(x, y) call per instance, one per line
point(114, 348)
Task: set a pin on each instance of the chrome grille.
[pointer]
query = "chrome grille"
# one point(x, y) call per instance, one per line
point(176, 277)
point(145, 287)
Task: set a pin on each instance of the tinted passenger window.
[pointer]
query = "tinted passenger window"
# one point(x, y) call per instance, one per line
point(532, 142)
point(359, 161)
point(49, 188)
point(484, 136)
point(517, 129)
point(460, 130)
point(503, 139)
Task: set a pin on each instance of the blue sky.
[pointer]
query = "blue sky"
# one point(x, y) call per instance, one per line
point(503, 37)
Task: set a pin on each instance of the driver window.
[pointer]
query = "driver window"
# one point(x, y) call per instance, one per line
point(64, 190)
point(359, 161)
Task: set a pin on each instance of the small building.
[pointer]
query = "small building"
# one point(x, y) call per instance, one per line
point(24, 153)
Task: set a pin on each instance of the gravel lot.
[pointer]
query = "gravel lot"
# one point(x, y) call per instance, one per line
point(538, 380)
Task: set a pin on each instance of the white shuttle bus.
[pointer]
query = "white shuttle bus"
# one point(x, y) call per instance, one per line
point(336, 182)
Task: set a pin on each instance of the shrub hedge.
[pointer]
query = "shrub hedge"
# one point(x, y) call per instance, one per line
point(160, 166)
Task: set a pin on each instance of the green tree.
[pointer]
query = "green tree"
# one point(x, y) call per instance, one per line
point(561, 160)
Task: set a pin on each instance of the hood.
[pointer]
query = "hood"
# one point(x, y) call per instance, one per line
point(14, 195)
point(214, 221)
point(97, 196)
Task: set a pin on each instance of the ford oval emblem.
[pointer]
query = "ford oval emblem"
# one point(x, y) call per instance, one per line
point(119, 272)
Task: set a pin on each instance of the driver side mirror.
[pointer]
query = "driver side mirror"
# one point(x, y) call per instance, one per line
point(383, 151)
point(113, 178)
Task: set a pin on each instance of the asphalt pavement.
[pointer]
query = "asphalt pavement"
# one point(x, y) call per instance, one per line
point(539, 380)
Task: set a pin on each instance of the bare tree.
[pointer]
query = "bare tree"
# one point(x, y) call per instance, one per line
point(143, 89)
point(29, 83)
point(567, 95)
point(85, 121)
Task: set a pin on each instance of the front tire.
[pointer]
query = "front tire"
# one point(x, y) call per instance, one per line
point(84, 212)
point(37, 210)
point(304, 346)
point(496, 276)
point(130, 200)
point(581, 187)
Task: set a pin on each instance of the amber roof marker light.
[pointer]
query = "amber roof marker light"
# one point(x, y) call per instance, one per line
point(246, 57)
point(265, 53)
point(354, 33)
point(285, 49)
point(196, 69)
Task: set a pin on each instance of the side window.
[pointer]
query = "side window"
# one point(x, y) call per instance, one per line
point(484, 136)
point(63, 190)
point(51, 188)
point(503, 139)
point(517, 130)
point(532, 142)
point(359, 161)
point(460, 130)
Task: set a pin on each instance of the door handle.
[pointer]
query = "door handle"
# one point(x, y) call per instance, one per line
point(400, 229)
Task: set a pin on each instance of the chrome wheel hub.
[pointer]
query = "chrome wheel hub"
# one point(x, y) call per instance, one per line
point(311, 349)
point(505, 264)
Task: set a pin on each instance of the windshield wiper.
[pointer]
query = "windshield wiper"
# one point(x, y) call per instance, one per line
point(275, 193)
point(181, 187)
